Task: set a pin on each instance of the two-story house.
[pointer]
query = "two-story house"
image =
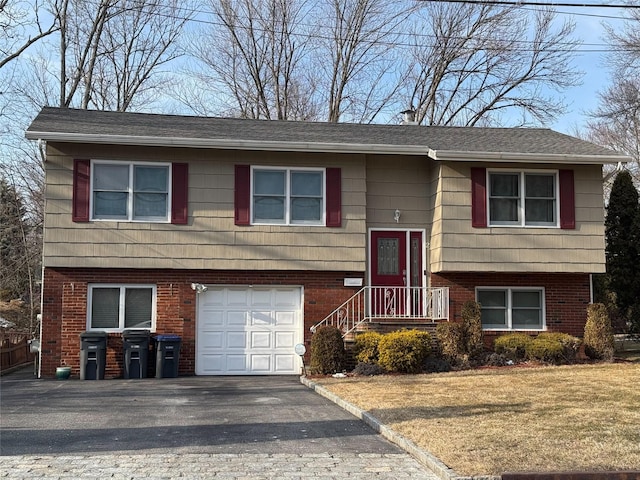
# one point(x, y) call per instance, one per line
point(241, 235)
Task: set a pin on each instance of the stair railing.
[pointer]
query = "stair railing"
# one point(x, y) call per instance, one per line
point(391, 303)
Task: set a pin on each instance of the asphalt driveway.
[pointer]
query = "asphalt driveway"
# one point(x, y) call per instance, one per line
point(239, 415)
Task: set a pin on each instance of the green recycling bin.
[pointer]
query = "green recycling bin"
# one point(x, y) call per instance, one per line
point(167, 355)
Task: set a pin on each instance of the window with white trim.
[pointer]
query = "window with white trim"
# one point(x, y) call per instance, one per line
point(114, 307)
point(523, 198)
point(512, 308)
point(287, 196)
point(130, 191)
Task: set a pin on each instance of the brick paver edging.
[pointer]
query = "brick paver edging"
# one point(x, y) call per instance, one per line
point(424, 457)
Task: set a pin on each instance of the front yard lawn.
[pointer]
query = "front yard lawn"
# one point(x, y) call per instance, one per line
point(488, 422)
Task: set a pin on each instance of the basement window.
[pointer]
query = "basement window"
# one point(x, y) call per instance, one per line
point(511, 308)
point(114, 308)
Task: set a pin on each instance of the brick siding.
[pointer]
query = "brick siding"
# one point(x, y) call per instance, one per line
point(64, 309)
point(567, 296)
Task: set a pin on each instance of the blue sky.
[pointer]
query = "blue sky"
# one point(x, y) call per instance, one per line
point(589, 30)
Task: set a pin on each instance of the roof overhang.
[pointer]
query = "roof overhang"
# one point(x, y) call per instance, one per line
point(325, 147)
point(511, 157)
point(229, 144)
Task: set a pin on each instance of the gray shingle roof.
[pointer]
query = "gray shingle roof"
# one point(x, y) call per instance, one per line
point(55, 124)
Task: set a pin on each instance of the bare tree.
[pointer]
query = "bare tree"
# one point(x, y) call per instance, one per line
point(616, 121)
point(485, 60)
point(359, 54)
point(110, 52)
point(23, 24)
point(254, 56)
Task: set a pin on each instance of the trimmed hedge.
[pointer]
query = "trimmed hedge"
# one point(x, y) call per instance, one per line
point(449, 335)
point(472, 329)
point(366, 347)
point(598, 333)
point(404, 351)
point(555, 348)
point(461, 342)
point(513, 346)
point(327, 351)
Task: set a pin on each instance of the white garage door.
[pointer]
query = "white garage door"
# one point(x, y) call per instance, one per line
point(249, 331)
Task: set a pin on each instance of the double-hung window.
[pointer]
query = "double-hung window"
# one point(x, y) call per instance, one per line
point(130, 191)
point(511, 308)
point(523, 198)
point(288, 196)
point(114, 307)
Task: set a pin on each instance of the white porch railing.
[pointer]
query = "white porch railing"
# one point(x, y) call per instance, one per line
point(378, 303)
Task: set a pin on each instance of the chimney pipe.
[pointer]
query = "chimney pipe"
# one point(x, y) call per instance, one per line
point(409, 117)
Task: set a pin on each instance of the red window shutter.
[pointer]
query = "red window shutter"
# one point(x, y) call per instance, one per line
point(179, 193)
point(478, 197)
point(81, 190)
point(567, 200)
point(333, 190)
point(243, 195)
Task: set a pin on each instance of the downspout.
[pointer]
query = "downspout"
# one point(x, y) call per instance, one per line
point(608, 176)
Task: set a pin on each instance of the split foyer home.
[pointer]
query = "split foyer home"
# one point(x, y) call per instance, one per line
point(242, 236)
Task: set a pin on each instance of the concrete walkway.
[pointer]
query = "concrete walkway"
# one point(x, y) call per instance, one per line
point(188, 427)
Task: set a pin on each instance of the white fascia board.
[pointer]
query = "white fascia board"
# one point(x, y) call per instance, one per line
point(230, 144)
point(509, 157)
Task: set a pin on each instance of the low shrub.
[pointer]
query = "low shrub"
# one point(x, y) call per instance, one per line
point(462, 343)
point(513, 346)
point(449, 335)
point(496, 360)
point(436, 364)
point(555, 348)
point(327, 351)
point(368, 369)
point(365, 348)
point(598, 333)
point(404, 351)
point(472, 336)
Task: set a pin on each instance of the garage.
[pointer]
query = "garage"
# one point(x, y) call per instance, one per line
point(249, 330)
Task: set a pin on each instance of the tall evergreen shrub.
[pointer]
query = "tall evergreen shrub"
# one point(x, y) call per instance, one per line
point(622, 231)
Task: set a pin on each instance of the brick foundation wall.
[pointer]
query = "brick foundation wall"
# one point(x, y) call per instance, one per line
point(64, 309)
point(567, 295)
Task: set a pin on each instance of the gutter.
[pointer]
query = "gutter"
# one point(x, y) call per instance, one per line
point(463, 156)
point(608, 176)
point(230, 144)
point(326, 147)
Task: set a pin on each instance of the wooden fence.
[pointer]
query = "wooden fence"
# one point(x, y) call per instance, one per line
point(14, 350)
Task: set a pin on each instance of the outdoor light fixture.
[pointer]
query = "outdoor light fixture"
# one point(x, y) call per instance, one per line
point(396, 215)
point(199, 288)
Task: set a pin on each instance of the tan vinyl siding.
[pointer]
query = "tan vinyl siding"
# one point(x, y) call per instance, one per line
point(456, 246)
point(395, 182)
point(211, 240)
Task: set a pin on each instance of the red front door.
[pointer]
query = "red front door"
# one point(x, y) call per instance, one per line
point(389, 258)
point(393, 269)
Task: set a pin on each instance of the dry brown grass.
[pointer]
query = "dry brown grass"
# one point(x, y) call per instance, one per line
point(489, 422)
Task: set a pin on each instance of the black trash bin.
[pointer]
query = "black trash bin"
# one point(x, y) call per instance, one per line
point(93, 355)
point(167, 355)
point(135, 347)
